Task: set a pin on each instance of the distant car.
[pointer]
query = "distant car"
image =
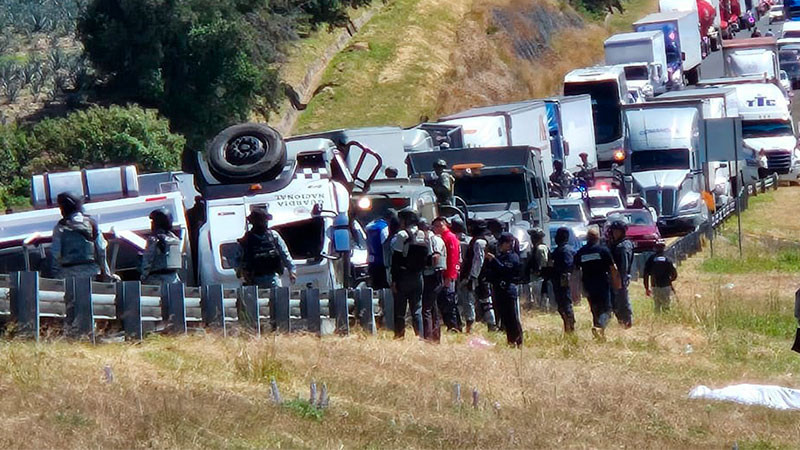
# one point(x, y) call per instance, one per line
point(775, 13)
point(642, 229)
point(602, 201)
point(570, 213)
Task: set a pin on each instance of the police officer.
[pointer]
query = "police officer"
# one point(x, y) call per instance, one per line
point(410, 253)
point(622, 251)
point(377, 235)
point(78, 249)
point(539, 261)
point(264, 253)
point(432, 281)
point(162, 257)
point(597, 268)
point(563, 259)
point(560, 179)
point(442, 183)
point(662, 271)
point(504, 270)
point(473, 274)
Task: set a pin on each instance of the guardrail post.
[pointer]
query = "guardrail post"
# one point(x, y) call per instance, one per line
point(387, 308)
point(129, 308)
point(337, 308)
point(279, 309)
point(310, 310)
point(24, 302)
point(366, 311)
point(80, 317)
point(212, 307)
point(247, 308)
point(173, 306)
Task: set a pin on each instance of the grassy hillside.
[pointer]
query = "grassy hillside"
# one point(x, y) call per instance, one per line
point(205, 391)
point(428, 57)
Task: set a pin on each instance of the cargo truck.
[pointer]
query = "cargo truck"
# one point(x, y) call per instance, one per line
point(707, 16)
point(682, 41)
point(754, 56)
point(671, 144)
point(608, 88)
point(643, 57)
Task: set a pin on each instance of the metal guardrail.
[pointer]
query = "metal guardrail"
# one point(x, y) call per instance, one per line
point(26, 299)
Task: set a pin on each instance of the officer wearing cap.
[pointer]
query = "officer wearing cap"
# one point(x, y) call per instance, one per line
point(622, 251)
point(162, 257)
point(78, 249)
point(504, 270)
point(442, 183)
point(265, 255)
point(597, 268)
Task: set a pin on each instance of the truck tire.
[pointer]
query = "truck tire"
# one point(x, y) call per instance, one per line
point(247, 151)
point(693, 76)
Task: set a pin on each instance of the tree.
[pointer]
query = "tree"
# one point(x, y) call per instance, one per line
point(205, 64)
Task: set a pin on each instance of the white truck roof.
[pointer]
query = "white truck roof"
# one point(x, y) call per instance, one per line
point(760, 101)
point(634, 36)
point(596, 73)
point(662, 16)
point(662, 127)
point(677, 5)
point(727, 98)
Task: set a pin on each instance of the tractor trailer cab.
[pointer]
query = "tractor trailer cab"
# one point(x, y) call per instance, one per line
point(608, 89)
point(643, 57)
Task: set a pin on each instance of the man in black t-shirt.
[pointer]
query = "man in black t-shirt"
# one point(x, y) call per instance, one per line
point(598, 274)
point(662, 271)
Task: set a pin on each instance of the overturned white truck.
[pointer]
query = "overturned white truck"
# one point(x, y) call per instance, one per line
point(305, 185)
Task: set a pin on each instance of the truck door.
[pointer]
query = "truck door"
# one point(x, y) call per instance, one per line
point(226, 224)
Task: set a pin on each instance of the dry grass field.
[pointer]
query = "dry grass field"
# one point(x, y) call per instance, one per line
point(731, 324)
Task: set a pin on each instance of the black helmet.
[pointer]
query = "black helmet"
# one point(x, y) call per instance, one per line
point(162, 218)
point(259, 216)
point(409, 216)
point(440, 163)
point(618, 225)
point(69, 202)
point(562, 235)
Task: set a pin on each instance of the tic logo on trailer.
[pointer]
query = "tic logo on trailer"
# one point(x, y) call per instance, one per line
point(760, 101)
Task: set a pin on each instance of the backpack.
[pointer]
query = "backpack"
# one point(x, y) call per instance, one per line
point(262, 255)
point(417, 252)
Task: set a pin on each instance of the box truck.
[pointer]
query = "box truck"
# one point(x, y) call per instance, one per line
point(707, 16)
point(644, 58)
point(608, 88)
point(754, 56)
point(682, 43)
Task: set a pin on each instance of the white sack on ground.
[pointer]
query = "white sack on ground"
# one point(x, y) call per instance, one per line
point(776, 397)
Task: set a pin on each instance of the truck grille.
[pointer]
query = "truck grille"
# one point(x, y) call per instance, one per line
point(663, 202)
point(779, 161)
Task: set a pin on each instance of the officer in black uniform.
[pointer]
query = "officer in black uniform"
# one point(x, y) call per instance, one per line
point(563, 259)
point(504, 272)
point(599, 274)
point(162, 257)
point(264, 253)
point(659, 273)
point(622, 251)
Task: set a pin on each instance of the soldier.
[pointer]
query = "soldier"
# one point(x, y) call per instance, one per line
point(78, 249)
point(560, 179)
point(264, 253)
point(443, 183)
point(410, 253)
point(504, 270)
point(473, 274)
point(622, 251)
point(162, 257)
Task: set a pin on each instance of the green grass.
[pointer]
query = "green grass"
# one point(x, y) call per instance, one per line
point(634, 10)
point(786, 260)
point(304, 409)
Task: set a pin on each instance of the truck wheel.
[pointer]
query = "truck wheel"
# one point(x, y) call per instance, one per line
point(247, 151)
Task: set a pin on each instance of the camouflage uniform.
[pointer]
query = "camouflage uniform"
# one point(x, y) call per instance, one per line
point(159, 264)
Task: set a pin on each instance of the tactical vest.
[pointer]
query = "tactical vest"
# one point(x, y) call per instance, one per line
point(416, 251)
point(77, 242)
point(168, 255)
point(262, 255)
point(466, 267)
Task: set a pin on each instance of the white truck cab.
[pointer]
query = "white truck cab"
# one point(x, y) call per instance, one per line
point(767, 125)
point(643, 57)
point(608, 88)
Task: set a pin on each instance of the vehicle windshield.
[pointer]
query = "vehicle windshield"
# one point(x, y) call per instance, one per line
point(483, 190)
point(636, 73)
point(567, 213)
point(766, 128)
point(791, 33)
point(605, 202)
point(303, 238)
point(379, 206)
point(606, 110)
point(641, 218)
point(667, 159)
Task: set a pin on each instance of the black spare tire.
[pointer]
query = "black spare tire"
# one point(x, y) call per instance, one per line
point(247, 151)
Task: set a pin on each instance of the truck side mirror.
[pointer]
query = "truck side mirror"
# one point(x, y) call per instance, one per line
point(341, 234)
